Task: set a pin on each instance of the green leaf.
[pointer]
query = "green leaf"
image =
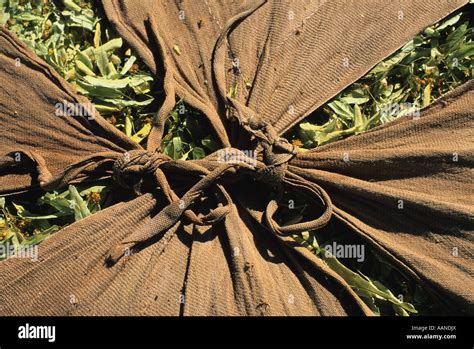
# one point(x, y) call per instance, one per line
point(119, 83)
point(142, 133)
point(384, 67)
point(449, 22)
point(84, 68)
point(95, 189)
point(27, 17)
point(109, 46)
point(102, 61)
point(426, 95)
point(465, 51)
point(142, 88)
point(318, 135)
point(416, 55)
point(112, 71)
point(356, 96)
point(128, 103)
point(97, 35)
point(24, 213)
point(454, 39)
point(106, 109)
point(71, 5)
point(174, 148)
point(360, 123)
point(128, 125)
point(81, 21)
point(98, 91)
point(128, 65)
point(198, 153)
point(80, 206)
point(343, 110)
point(177, 148)
point(115, 59)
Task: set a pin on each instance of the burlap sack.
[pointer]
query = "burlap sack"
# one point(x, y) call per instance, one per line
point(201, 241)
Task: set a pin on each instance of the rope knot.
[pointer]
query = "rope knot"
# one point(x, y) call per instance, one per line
point(130, 169)
point(277, 152)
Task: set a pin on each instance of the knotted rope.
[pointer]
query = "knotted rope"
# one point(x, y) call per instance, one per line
point(135, 167)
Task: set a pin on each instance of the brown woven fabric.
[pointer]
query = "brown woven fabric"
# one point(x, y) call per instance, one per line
point(202, 243)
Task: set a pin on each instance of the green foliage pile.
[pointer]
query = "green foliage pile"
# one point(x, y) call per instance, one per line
point(20, 227)
point(188, 135)
point(72, 40)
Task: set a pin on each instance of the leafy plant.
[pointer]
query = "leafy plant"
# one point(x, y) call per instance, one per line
point(187, 136)
point(71, 39)
point(21, 226)
point(371, 291)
